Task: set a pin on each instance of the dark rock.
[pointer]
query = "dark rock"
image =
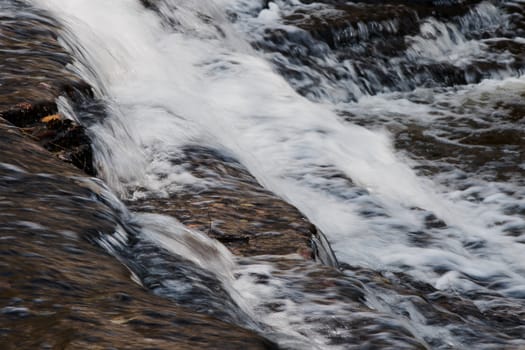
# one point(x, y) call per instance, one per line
point(26, 114)
point(34, 76)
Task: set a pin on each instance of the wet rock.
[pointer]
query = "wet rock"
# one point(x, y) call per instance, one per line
point(234, 209)
point(351, 23)
point(33, 62)
point(57, 290)
point(34, 76)
point(70, 143)
point(489, 144)
point(471, 317)
point(63, 137)
point(376, 45)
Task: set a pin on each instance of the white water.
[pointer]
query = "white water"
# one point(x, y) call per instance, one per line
point(166, 89)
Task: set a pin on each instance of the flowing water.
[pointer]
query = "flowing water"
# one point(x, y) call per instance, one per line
point(396, 127)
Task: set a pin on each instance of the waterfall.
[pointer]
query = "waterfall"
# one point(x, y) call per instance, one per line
point(394, 135)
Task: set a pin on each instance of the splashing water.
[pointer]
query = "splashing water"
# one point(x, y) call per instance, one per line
point(185, 75)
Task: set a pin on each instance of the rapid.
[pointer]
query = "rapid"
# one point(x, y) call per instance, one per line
point(396, 128)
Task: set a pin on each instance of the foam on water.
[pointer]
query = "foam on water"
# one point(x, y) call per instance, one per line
point(203, 84)
point(477, 210)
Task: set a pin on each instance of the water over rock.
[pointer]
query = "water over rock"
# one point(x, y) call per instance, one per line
point(63, 290)
point(60, 290)
point(391, 45)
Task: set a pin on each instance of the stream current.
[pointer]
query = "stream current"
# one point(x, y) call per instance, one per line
point(396, 127)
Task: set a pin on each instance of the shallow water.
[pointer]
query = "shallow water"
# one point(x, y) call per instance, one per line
point(398, 132)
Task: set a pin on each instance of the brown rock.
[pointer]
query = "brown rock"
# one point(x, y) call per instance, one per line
point(236, 209)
